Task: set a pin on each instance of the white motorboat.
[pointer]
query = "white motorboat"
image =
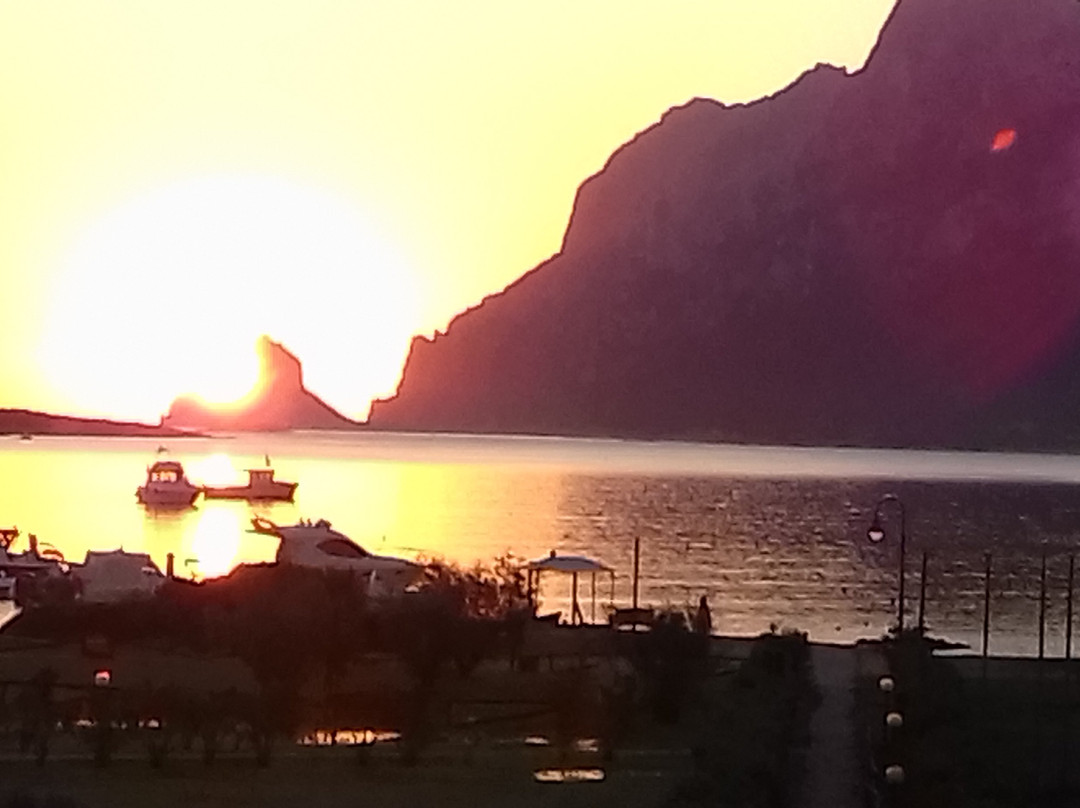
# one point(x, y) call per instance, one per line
point(166, 486)
point(316, 544)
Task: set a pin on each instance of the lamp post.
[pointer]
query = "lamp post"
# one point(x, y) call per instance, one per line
point(876, 534)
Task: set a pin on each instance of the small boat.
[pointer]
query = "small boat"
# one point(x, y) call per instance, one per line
point(316, 544)
point(261, 485)
point(166, 486)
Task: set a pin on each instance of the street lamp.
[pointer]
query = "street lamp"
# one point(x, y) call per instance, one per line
point(876, 534)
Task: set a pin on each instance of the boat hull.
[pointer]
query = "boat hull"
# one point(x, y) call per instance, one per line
point(167, 497)
point(276, 491)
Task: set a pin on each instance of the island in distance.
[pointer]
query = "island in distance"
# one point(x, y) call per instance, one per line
point(880, 259)
point(28, 423)
point(279, 401)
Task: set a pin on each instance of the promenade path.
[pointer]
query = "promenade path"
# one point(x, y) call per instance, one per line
point(833, 771)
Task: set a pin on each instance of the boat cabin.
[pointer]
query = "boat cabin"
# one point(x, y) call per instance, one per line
point(342, 548)
point(165, 471)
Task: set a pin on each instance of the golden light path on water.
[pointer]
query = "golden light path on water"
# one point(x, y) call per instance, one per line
point(769, 534)
point(79, 494)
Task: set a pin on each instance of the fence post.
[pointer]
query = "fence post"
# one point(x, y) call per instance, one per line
point(922, 595)
point(1042, 605)
point(1068, 609)
point(986, 608)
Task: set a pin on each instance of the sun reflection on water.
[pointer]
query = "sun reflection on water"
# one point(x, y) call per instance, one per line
point(215, 544)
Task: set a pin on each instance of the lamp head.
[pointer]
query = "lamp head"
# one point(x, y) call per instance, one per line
point(875, 532)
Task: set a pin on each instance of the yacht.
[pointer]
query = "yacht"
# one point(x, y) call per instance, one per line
point(166, 486)
point(261, 485)
point(317, 544)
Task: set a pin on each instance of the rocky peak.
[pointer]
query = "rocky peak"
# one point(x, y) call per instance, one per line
point(279, 401)
point(860, 259)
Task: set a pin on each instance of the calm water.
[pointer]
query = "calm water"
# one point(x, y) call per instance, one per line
point(771, 535)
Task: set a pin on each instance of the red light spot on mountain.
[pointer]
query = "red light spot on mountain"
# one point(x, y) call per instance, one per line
point(1003, 139)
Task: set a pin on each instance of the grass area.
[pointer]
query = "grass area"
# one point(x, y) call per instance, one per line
point(713, 728)
point(992, 734)
point(327, 778)
point(459, 669)
point(1018, 734)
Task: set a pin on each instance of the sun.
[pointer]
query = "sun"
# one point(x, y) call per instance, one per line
point(167, 294)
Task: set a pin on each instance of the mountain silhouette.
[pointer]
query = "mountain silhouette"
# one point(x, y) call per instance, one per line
point(886, 258)
point(279, 401)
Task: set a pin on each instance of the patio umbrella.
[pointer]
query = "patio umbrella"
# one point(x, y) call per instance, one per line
point(572, 565)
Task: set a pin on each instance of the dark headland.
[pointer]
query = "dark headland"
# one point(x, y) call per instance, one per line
point(27, 422)
point(881, 259)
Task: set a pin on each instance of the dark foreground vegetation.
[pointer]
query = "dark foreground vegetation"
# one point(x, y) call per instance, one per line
point(457, 683)
point(752, 729)
point(276, 650)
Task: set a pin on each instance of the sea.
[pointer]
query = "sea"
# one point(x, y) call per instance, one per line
point(776, 538)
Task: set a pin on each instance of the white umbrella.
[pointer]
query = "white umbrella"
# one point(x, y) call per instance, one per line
point(573, 565)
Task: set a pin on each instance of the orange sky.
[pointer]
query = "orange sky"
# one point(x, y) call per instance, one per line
point(177, 178)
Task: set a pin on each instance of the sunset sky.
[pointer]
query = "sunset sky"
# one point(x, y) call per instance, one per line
point(177, 178)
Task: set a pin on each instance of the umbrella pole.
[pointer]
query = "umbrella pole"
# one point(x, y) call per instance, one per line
point(593, 592)
point(637, 558)
point(574, 608)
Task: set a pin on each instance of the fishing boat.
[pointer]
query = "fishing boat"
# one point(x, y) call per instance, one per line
point(317, 544)
point(261, 485)
point(166, 486)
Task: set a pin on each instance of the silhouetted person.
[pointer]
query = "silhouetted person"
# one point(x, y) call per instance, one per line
point(703, 618)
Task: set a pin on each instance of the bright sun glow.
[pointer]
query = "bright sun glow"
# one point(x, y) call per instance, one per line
point(168, 294)
point(215, 469)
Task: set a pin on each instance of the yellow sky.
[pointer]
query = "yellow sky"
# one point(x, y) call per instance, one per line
point(178, 177)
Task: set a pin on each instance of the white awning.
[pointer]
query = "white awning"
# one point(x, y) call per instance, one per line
point(567, 563)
